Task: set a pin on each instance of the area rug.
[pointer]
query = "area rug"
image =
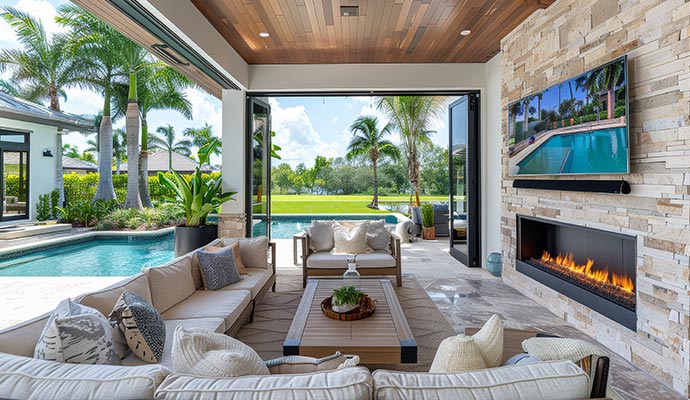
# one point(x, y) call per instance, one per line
point(274, 313)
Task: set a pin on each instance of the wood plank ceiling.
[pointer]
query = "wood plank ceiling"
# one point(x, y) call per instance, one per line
point(385, 31)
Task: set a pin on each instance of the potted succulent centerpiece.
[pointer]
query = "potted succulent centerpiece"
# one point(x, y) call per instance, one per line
point(198, 198)
point(428, 228)
point(346, 299)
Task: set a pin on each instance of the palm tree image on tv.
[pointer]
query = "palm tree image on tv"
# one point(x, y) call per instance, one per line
point(578, 126)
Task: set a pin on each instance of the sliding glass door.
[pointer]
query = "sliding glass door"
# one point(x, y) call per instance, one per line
point(259, 167)
point(14, 170)
point(464, 180)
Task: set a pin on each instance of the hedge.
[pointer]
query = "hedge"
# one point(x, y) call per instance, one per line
point(83, 187)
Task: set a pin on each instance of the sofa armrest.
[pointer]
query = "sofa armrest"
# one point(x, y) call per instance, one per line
point(272, 248)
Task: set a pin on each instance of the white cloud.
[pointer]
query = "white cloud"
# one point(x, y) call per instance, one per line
point(205, 108)
point(297, 137)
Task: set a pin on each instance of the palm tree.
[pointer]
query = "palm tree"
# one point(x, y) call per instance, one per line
point(103, 45)
point(43, 67)
point(367, 140)
point(168, 143)
point(159, 87)
point(607, 78)
point(411, 116)
point(119, 148)
point(202, 136)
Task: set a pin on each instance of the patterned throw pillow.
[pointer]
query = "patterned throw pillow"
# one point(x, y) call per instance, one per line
point(236, 253)
point(350, 242)
point(142, 326)
point(218, 268)
point(303, 364)
point(77, 334)
point(321, 235)
point(378, 235)
point(203, 353)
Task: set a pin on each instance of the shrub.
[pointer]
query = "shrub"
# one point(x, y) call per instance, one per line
point(146, 219)
point(85, 212)
point(47, 206)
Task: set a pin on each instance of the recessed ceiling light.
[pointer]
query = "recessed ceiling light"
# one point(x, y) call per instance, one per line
point(465, 32)
point(265, 47)
point(264, 34)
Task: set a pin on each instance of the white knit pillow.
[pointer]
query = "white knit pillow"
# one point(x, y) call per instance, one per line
point(321, 235)
point(456, 354)
point(202, 353)
point(350, 241)
point(489, 341)
point(547, 349)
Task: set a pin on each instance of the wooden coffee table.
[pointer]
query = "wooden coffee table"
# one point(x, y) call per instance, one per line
point(383, 338)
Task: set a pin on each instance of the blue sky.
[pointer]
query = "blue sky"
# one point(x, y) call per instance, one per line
point(304, 126)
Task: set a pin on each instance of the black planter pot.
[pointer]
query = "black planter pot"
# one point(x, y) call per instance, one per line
point(188, 238)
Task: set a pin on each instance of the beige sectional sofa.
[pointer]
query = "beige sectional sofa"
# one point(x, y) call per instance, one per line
point(175, 289)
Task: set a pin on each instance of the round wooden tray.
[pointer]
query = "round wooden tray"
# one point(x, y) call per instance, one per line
point(366, 307)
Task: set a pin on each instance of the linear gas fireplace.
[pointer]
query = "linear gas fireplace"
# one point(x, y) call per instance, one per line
point(593, 267)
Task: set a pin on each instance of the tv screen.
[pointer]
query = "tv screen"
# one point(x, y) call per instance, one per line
point(579, 126)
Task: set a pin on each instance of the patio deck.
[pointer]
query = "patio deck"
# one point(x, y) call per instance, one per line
point(465, 296)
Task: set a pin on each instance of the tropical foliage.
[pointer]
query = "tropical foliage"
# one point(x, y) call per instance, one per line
point(368, 142)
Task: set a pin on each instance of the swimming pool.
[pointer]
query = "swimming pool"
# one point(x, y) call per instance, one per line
point(285, 226)
point(600, 151)
point(95, 257)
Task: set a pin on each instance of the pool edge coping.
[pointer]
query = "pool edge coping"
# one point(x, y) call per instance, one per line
point(78, 238)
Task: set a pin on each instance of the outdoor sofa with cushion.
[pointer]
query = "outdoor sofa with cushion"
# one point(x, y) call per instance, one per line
point(323, 262)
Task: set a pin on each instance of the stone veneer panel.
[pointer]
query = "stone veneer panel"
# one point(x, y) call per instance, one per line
point(231, 225)
point(564, 40)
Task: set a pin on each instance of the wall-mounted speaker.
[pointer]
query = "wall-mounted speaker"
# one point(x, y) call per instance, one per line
point(599, 186)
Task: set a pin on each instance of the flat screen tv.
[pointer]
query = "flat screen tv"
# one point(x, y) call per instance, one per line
point(579, 126)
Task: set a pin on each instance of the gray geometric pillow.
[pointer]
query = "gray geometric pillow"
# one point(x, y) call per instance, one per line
point(378, 235)
point(218, 268)
point(77, 334)
point(141, 324)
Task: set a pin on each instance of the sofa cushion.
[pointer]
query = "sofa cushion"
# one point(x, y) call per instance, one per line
point(142, 326)
point(320, 235)
point(218, 268)
point(28, 378)
point(21, 339)
point(254, 251)
point(210, 324)
point(77, 334)
point(376, 259)
point(378, 235)
point(324, 259)
point(226, 304)
point(350, 241)
point(540, 381)
point(202, 353)
point(104, 300)
point(349, 383)
point(171, 283)
point(255, 279)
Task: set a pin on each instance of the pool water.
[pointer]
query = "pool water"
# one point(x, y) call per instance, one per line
point(93, 258)
point(285, 226)
point(599, 151)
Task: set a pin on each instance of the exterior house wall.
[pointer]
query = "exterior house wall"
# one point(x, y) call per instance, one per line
point(491, 159)
point(569, 38)
point(41, 169)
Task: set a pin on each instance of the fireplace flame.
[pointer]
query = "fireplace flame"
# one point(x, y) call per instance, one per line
point(623, 282)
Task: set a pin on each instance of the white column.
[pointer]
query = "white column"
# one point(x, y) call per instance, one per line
point(232, 219)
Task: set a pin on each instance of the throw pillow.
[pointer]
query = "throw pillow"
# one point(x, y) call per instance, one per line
point(202, 353)
point(350, 242)
point(456, 354)
point(218, 268)
point(489, 341)
point(321, 235)
point(521, 359)
point(141, 325)
point(378, 235)
point(77, 334)
point(550, 348)
point(303, 364)
point(235, 252)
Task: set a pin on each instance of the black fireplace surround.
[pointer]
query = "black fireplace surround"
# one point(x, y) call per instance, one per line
point(614, 251)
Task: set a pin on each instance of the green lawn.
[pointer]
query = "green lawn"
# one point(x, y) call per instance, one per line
point(332, 204)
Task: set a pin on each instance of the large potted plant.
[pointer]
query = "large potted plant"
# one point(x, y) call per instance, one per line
point(198, 198)
point(428, 228)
